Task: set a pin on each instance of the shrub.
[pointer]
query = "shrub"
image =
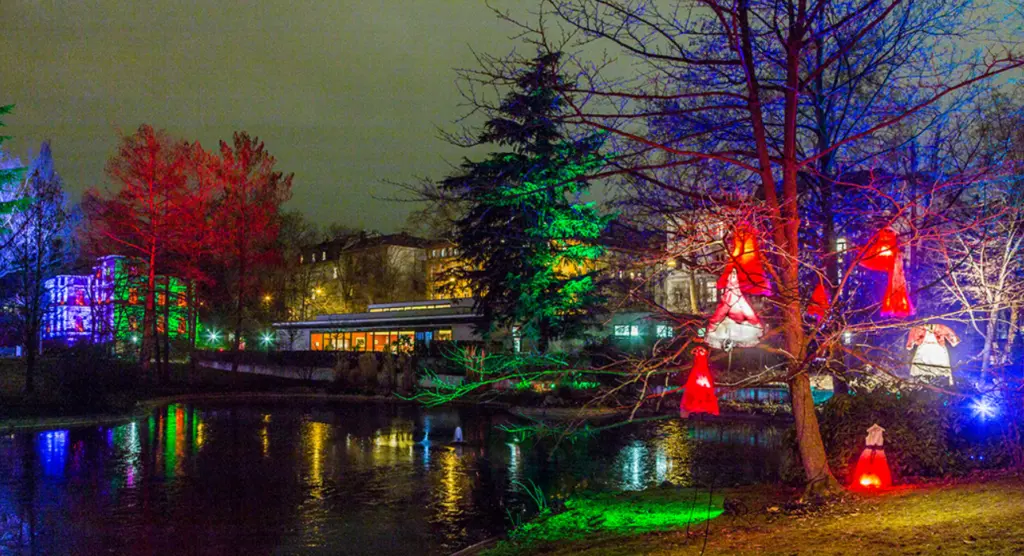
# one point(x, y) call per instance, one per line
point(927, 433)
point(368, 371)
point(87, 378)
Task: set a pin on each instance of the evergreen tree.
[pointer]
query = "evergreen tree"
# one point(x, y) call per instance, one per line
point(529, 242)
point(11, 199)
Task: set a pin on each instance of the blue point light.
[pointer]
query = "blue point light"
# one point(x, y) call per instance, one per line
point(983, 409)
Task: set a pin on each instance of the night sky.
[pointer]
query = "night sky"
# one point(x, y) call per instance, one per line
point(344, 93)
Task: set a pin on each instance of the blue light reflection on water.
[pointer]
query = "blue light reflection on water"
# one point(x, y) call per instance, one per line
point(312, 479)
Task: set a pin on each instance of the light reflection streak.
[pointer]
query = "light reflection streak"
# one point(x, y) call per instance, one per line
point(633, 466)
point(126, 439)
point(314, 438)
point(452, 488)
point(265, 435)
point(515, 462)
point(52, 448)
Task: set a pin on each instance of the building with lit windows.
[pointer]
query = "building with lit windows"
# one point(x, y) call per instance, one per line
point(108, 304)
point(442, 258)
point(350, 273)
point(383, 327)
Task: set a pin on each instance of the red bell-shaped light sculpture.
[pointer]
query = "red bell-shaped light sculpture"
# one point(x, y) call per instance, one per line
point(699, 392)
point(872, 469)
point(818, 306)
point(883, 255)
point(734, 324)
point(745, 259)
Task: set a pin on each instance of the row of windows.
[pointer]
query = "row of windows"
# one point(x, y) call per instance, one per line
point(381, 340)
point(410, 307)
point(445, 252)
point(633, 331)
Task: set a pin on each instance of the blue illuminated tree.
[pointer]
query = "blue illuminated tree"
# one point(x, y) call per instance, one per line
point(37, 252)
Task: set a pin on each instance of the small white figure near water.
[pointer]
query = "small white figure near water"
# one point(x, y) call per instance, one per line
point(458, 435)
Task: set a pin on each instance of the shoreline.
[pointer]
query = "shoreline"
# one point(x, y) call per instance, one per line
point(147, 406)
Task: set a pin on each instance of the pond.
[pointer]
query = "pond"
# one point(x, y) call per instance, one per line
point(331, 478)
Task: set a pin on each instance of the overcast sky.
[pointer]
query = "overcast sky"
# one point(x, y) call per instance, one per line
point(345, 93)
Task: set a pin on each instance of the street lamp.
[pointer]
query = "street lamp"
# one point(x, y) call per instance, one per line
point(213, 337)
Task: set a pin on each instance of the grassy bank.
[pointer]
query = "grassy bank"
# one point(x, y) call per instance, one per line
point(980, 516)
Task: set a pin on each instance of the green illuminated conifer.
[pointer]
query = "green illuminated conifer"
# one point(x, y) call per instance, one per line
point(529, 241)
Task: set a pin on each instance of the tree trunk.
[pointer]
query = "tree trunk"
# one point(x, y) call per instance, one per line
point(990, 339)
point(166, 366)
point(31, 346)
point(812, 450)
point(149, 314)
point(808, 436)
point(242, 268)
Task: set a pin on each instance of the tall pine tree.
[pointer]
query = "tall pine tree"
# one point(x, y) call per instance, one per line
point(529, 241)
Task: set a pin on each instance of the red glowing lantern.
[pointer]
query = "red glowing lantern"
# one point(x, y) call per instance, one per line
point(883, 255)
point(699, 393)
point(745, 259)
point(872, 469)
point(819, 302)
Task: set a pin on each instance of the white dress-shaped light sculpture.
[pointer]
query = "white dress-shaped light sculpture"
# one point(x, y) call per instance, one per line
point(872, 469)
point(734, 324)
point(931, 360)
point(457, 439)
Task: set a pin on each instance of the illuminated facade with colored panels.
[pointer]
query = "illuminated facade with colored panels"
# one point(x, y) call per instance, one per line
point(109, 304)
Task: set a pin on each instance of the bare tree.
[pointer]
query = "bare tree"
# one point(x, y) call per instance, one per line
point(798, 118)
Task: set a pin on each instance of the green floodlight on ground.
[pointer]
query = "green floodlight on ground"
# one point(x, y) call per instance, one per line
point(267, 339)
point(212, 337)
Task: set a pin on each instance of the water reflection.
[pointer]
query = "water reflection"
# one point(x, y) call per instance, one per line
point(327, 479)
point(52, 447)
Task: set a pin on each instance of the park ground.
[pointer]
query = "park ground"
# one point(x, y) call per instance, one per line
point(979, 515)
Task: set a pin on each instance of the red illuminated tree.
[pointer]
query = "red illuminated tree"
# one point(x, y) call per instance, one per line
point(246, 219)
point(142, 216)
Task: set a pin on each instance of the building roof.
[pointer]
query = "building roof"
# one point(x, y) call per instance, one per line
point(368, 240)
point(391, 315)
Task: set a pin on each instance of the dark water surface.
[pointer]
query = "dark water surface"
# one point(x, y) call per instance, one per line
point(329, 479)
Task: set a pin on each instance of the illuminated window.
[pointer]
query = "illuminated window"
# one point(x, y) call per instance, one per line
point(335, 273)
point(323, 255)
point(663, 331)
point(444, 335)
point(302, 259)
point(710, 290)
point(840, 249)
point(626, 330)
